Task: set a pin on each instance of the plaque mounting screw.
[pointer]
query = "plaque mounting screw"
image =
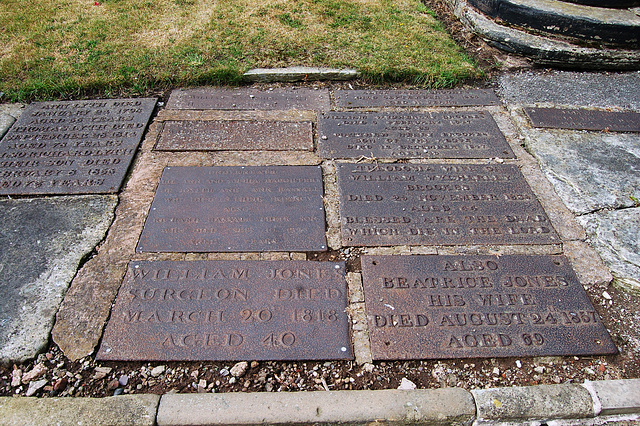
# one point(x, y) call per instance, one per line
point(343, 349)
point(337, 266)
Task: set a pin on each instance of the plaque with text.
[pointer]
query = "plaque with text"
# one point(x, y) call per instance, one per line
point(229, 310)
point(72, 147)
point(448, 204)
point(235, 135)
point(249, 99)
point(415, 98)
point(583, 119)
point(450, 134)
point(236, 209)
point(444, 307)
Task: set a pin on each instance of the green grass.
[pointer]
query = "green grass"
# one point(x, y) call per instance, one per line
point(71, 48)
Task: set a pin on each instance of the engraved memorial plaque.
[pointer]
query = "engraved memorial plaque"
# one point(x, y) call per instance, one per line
point(249, 99)
point(414, 98)
point(448, 204)
point(583, 119)
point(229, 310)
point(235, 135)
point(72, 147)
point(451, 134)
point(236, 209)
point(447, 307)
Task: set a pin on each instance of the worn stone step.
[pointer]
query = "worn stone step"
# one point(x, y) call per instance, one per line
point(616, 27)
point(545, 51)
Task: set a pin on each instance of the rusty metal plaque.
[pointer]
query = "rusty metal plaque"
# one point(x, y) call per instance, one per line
point(448, 204)
point(250, 99)
point(583, 119)
point(235, 135)
point(444, 307)
point(451, 134)
point(236, 209)
point(229, 310)
point(75, 147)
point(414, 98)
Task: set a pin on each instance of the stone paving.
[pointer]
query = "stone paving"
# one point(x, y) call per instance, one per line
point(587, 195)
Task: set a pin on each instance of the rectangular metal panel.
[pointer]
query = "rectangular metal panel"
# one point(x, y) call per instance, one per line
point(235, 135)
point(72, 147)
point(583, 119)
point(450, 204)
point(229, 310)
point(451, 134)
point(447, 307)
point(414, 98)
point(236, 209)
point(249, 99)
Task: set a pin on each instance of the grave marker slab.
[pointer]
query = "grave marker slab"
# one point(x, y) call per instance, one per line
point(249, 99)
point(414, 98)
point(451, 134)
point(583, 119)
point(236, 209)
point(75, 147)
point(235, 135)
point(229, 310)
point(442, 307)
point(449, 204)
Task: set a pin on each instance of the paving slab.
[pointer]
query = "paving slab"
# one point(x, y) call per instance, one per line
point(72, 147)
point(451, 134)
point(249, 99)
point(544, 402)
point(235, 135)
point(434, 407)
point(444, 307)
point(589, 170)
point(414, 98)
point(235, 209)
point(265, 75)
point(125, 410)
point(229, 310)
point(568, 88)
point(431, 204)
point(584, 119)
point(42, 242)
point(614, 235)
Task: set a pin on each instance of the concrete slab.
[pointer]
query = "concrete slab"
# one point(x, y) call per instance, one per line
point(42, 242)
point(533, 403)
point(615, 236)
point(434, 407)
point(589, 170)
point(121, 410)
point(616, 396)
point(598, 90)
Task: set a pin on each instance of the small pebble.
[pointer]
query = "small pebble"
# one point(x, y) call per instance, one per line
point(123, 380)
point(518, 364)
point(606, 295)
point(224, 372)
point(157, 371)
point(118, 391)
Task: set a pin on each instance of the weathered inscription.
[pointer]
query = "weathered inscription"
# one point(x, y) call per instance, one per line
point(478, 306)
point(418, 204)
point(583, 119)
point(452, 134)
point(414, 98)
point(231, 209)
point(229, 310)
point(75, 147)
point(235, 135)
point(249, 99)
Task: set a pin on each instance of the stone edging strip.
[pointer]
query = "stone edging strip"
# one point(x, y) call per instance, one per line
point(271, 75)
point(431, 406)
